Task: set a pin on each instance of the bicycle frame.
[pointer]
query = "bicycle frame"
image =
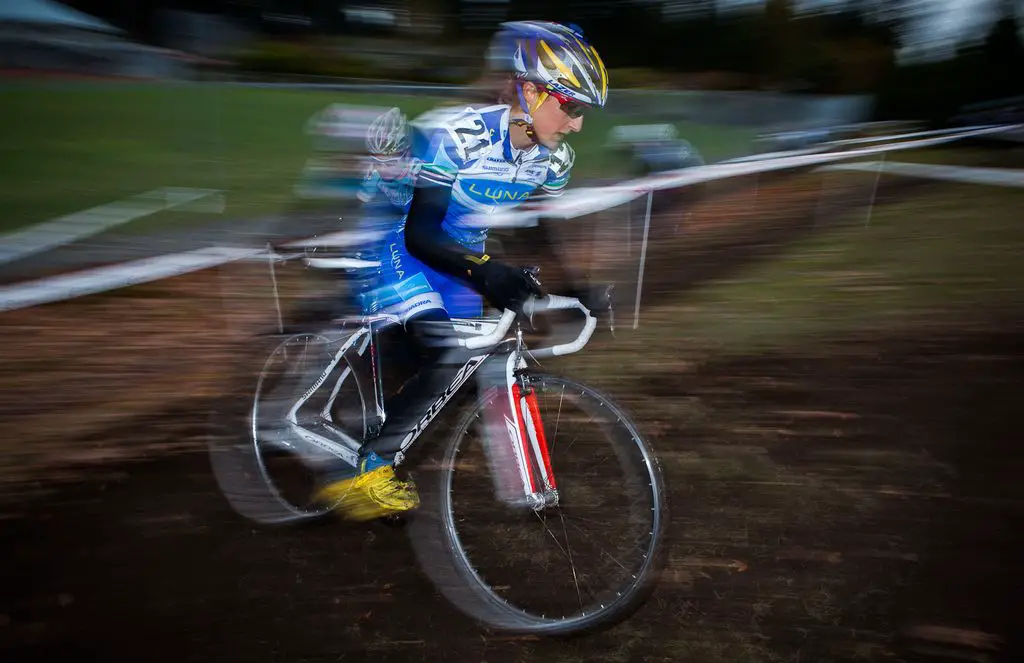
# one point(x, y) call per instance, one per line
point(525, 475)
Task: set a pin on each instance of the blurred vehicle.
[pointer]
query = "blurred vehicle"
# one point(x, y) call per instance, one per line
point(998, 111)
point(797, 139)
point(653, 148)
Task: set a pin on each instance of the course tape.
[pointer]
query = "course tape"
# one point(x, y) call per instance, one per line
point(101, 279)
point(587, 200)
point(577, 202)
point(966, 174)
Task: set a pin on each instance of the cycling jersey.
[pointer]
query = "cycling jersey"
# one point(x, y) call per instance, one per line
point(385, 193)
point(469, 152)
point(387, 182)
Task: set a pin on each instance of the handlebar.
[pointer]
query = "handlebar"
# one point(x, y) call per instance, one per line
point(530, 307)
point(493, 338)
point(554, 303)
point(340, 263)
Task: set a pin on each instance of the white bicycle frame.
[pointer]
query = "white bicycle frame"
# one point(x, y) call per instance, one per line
point(523, 451)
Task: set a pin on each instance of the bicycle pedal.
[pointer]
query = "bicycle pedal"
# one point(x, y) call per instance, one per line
point(373, 430)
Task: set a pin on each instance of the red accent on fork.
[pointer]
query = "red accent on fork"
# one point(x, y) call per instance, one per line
point(523, 436)
point(538, 425)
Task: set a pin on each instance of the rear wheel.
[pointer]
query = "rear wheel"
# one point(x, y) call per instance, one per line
point(587, 561)
point(266, 472)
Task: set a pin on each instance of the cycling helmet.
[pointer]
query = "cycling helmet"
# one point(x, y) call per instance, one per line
point(553, 56)
point(388, 135)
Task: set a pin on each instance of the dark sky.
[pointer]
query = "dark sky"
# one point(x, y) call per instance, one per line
point(139, 17)
point(136, 17)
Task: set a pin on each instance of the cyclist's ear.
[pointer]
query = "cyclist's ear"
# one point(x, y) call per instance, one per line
point(530, 93)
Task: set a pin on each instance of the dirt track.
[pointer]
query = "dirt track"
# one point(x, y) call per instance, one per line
point(862, 505)
point(823, 509)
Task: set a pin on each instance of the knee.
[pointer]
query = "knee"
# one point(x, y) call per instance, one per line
point(427, 331)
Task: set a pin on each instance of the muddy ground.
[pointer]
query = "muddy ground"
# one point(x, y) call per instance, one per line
point(857, 504)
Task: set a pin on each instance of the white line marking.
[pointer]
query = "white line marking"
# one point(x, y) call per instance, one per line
point(970, 175)
point(71, 227)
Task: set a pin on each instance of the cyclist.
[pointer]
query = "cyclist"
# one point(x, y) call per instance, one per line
point(469, 162)
point(386, 189)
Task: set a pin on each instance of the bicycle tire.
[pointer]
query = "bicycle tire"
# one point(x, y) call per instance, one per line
point(237, 463)
point(436, 543)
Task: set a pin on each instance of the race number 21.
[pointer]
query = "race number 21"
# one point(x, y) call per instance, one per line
point(475, 139)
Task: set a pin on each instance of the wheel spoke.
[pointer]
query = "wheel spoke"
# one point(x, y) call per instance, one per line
point(589, 537)
point(275, 446)
point(558, 420)
point(568, 549)
point(567, 553)
point(517, 574)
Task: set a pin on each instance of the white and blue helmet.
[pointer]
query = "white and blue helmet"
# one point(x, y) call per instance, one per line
point(553, 56)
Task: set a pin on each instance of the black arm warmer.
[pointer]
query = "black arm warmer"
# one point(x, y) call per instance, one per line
point(427, 241)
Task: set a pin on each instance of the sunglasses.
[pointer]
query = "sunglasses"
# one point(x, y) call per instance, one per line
point(569, 106)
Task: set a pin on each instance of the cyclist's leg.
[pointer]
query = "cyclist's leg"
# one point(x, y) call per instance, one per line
point(407, 290)
point(438, 365)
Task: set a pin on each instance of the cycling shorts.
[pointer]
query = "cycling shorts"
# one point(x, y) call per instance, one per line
point(406, 287)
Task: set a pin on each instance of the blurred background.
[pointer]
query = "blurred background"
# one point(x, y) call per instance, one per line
point(104, 99)
point(825, 355)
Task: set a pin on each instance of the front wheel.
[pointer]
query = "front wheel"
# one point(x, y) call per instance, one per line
point(584, 562)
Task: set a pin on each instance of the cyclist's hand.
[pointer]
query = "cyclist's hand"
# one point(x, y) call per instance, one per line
point(506, 287)
point(596, 297)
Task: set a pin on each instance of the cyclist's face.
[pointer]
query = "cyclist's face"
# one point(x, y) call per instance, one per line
point(555, 119)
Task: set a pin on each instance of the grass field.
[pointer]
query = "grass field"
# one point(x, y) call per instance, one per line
point(916, 260)
point(70, 147)
point(951, 256)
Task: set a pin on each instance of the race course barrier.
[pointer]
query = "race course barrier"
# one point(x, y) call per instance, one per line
point(966, 174)
point(574, 203)
point(100, 279)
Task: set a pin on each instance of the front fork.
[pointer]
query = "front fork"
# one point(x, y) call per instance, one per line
point(517, 446)
point(536, 458)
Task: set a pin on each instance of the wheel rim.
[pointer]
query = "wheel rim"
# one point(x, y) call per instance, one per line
point(309, 509)
point(572, 536)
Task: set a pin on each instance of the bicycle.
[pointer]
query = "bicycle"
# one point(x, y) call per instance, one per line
point(505, 444)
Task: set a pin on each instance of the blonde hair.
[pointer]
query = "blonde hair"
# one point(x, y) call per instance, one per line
point(497, 88)
point(508, 92)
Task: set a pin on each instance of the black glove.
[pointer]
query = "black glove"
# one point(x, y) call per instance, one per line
point(596, 297)
point(504, 286)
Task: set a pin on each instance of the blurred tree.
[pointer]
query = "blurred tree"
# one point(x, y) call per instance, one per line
point(781, 50)
point(1000, 59)
point(985, 71)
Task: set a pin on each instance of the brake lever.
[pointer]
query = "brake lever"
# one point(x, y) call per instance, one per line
point(532, 271)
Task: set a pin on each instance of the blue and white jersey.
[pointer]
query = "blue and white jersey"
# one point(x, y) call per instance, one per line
point(469, 150)
point(387, 181)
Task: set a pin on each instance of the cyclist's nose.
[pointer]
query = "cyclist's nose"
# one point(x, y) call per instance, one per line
point(576, 123)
